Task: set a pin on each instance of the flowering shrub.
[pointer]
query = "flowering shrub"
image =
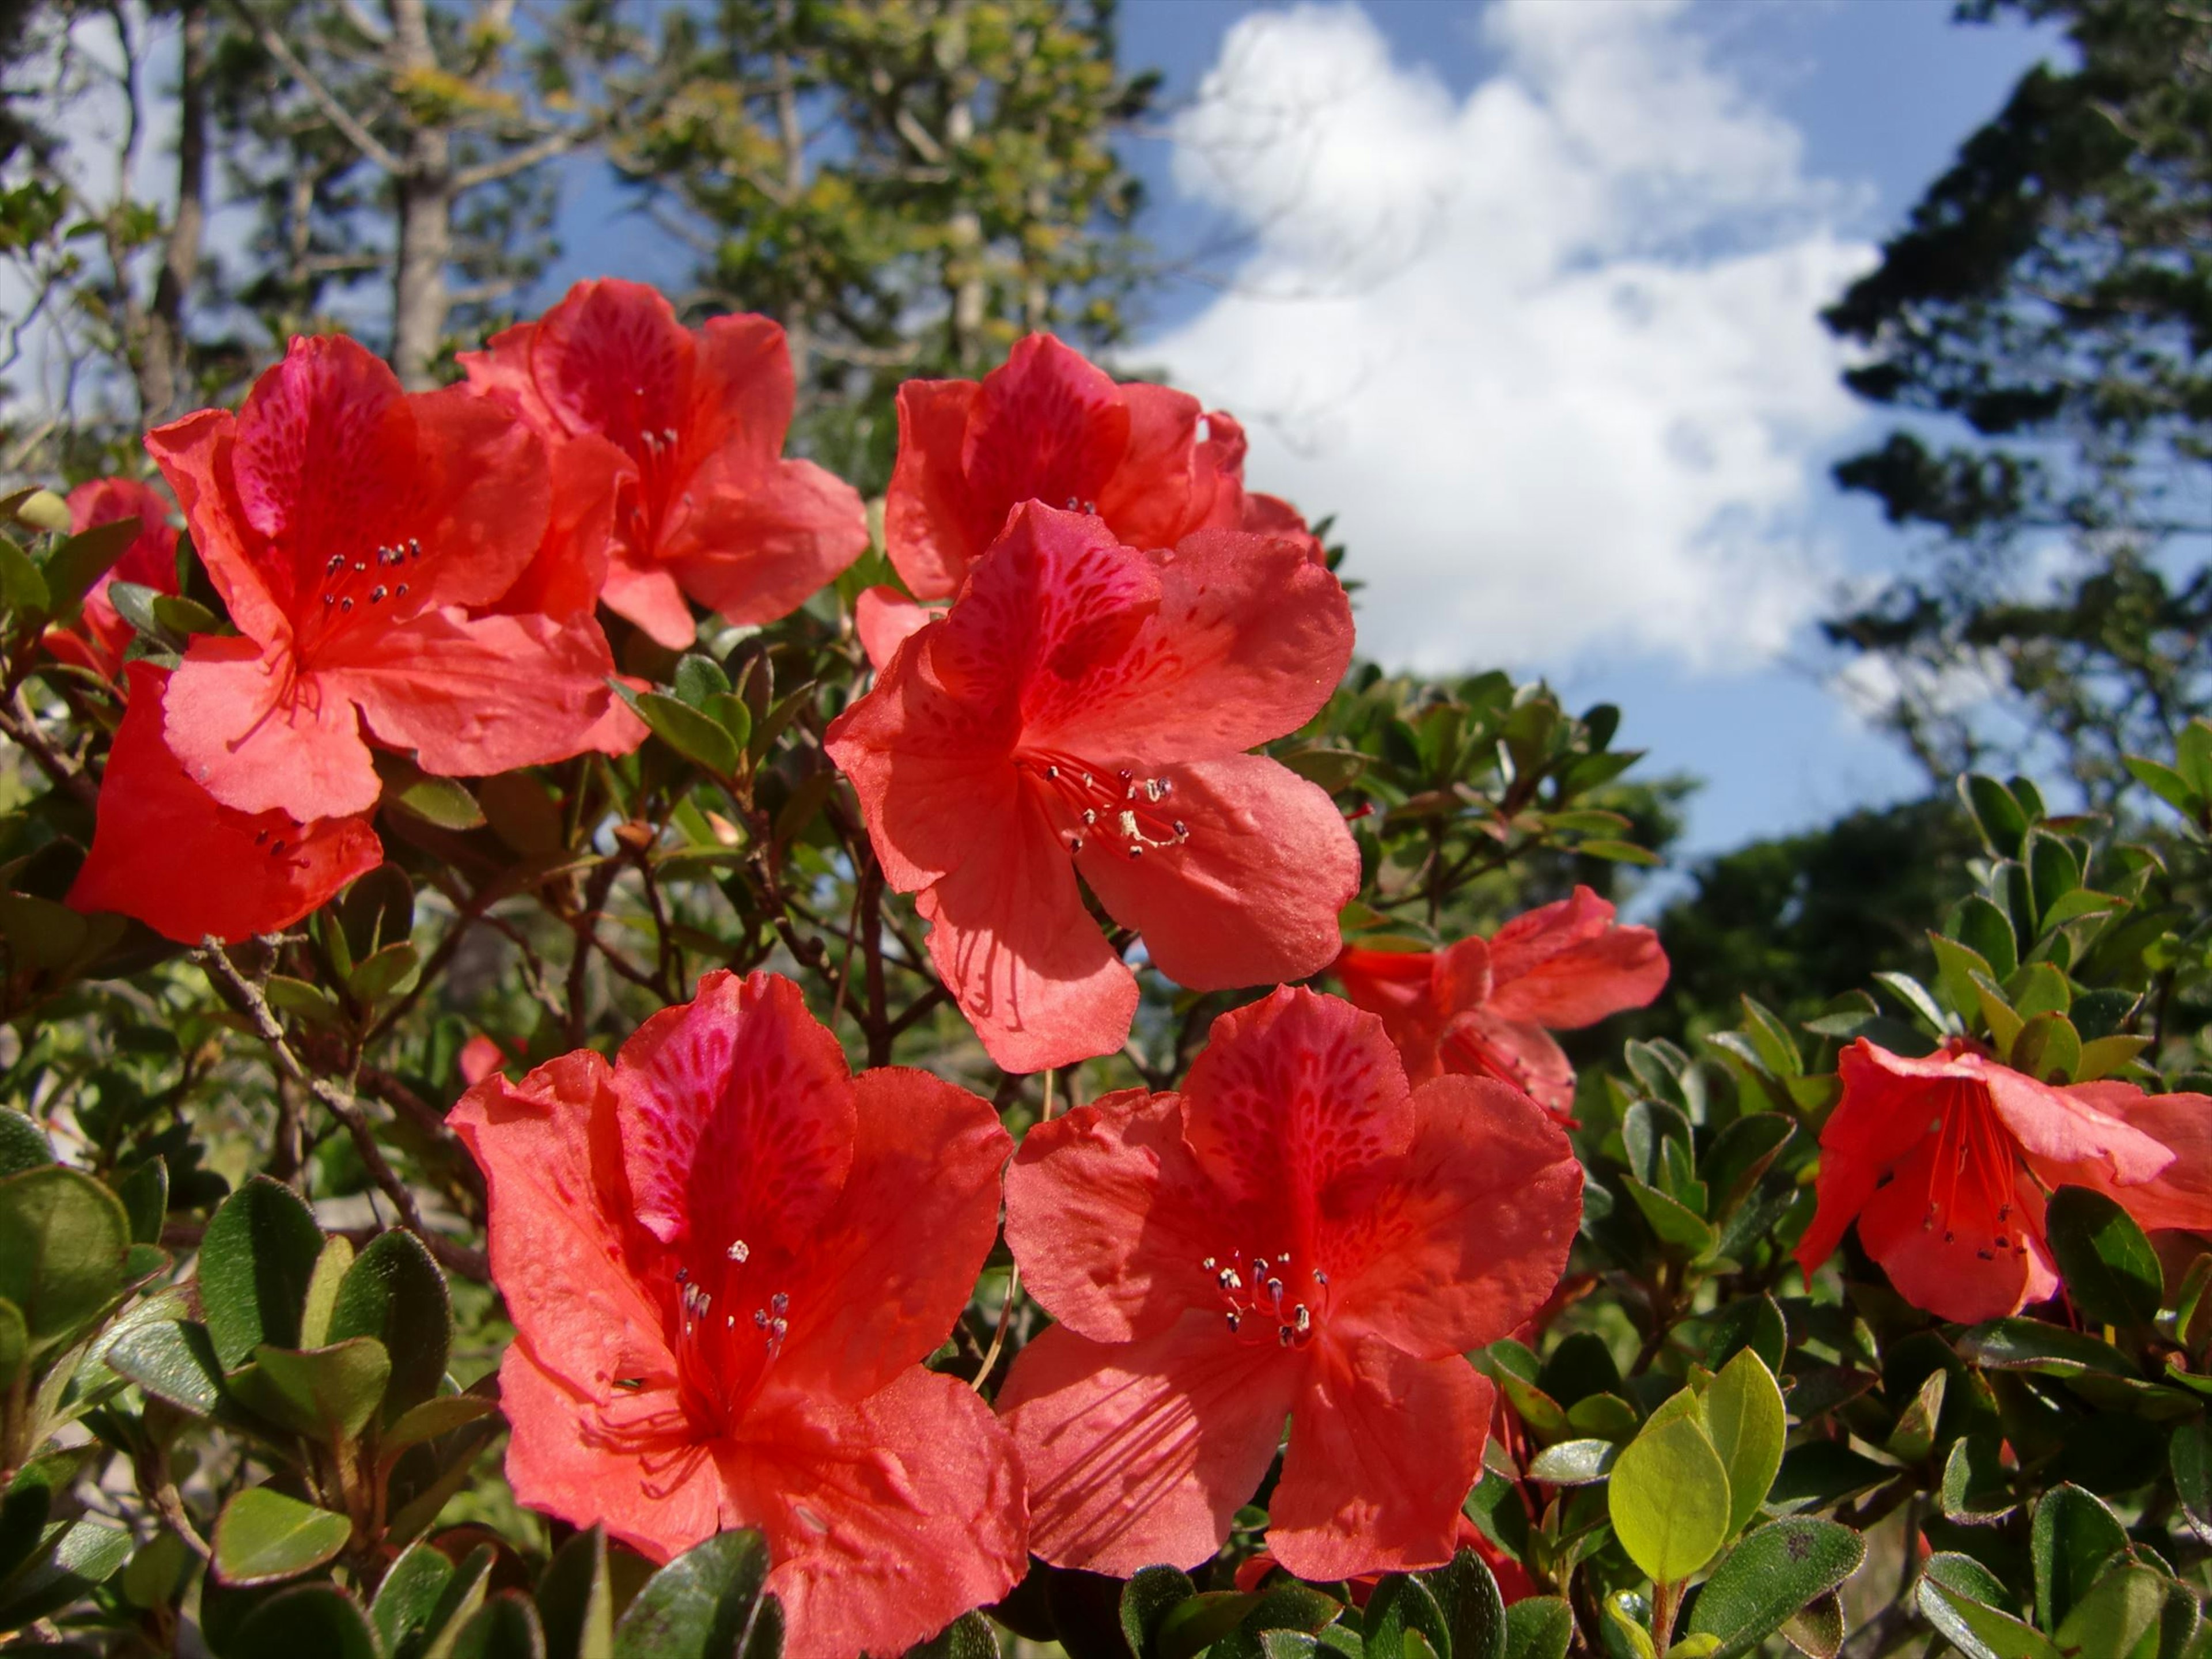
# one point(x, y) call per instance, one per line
point(607, 1060)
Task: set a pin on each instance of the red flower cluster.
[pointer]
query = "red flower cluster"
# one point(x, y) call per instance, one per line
point(1487, 1007)
point(97, 642)
point(1946, 1164)
point(420, 572)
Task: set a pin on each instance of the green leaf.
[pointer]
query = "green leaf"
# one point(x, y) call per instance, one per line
point(256, 1259)
point(22, 1144)
point(576, 1599)
point(21, 586)
point(1956, 964)
point(172, 1360)
point(711, 1603)
point(1772, 1040)
point(78, 1555)
point(699, 737)
point(395, 1294)
point(1750, 1324)
point(81, 560)
point(320, 1619)
point(2192, 754)
point(408, 1600)
point(1400, 1604)
point(1914, 1437)
point(1619, 852)
point(2053, 871)
point(2103, 1056)
point(2039, 989)
point(1744, 1415)
point(698, 678)
point(263, 1537)
point(1677, 1225)
point(1915, 997)
point(331, 1268)
point(1539, 1627)
point(968, 1636)
point(1474, 1612)
point(1975, 1628)
point(2029, 1344)
point(157, 1571)
point(505, 1627)
point(44, 936)
point(1817, 1630)
point(1772, 1572)
point(1624, 1633)
point(2108, 1622)
point(1984, 928)
point(430, 1420)
point(1670, 1500)
point(440, 802)
point(65, 1241)
point(1149, 1596)
point(2048, 1049)
point(1975, 1490)
point(2109, 1269)
point(2192, 1456)
point(1190, 1627)
point(2002, 825)
point(14, 1344)
point(389, 971)
point(144, 1192)
point(1573, 1463)
point(457, 1605)
point(2074, 1535)
point(329, 1393)
point(2162, 780)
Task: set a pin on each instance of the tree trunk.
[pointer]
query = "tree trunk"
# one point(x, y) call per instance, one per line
point(798, 318)
point(964, 260)
point(420, 300)
point(162, 362)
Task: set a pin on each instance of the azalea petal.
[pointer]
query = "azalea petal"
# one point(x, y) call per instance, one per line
point(1252, 896)
point(1011, 938)
point(743, 393)
point(166, 852)
point(757, 552)
point(1054, 599)
point(611, 358)
point(1883, 1114)
point(1248, 640)
point(643, 1478)
point(1946, 1248)
point(1110, 1217)
point(477, 696)
point(1384, 1449)
point(1459, 1241)
point(649, 595)
point(150, 561)
point(885, 619)
point(1156, 495)
point(1567, 964)
point(886, 1521)
point(2178, 1196)
point(564, 577)
point(737, 1116)
point(195, 455)
point(891, 1266)
point(1049, 425)
point(1293, 1092)
point(261, 737)
point(2066, 1128)
point(1480, 1044)
point(930, 530)
point(562, 1248)
point(1461, 980)
point(1140, 1453)
point(1394, 985)
point(478, 494)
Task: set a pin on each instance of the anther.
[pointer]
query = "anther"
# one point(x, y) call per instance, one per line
point(739, 1250)
point(1283, 1334)
point(780, 1302)
point(376, 595)
point(1208, 1264)
point(345, 605)
point(1301, 1319)
point(1235, 1320)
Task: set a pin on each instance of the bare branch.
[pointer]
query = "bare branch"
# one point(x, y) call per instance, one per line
point(340, 117)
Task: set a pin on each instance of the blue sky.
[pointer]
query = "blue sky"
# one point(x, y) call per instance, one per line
point(1523, 292)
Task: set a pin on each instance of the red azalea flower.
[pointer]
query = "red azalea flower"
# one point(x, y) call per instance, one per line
point(1945, 1164)
point(349, 526)
point(1084, 708)
point(709, 508)
point(166, 852)
point(1050, 426)
point(1514, 1584)
point(1481, 1008)
point(1294, 1235)
point(726, 1257)
point(97, 641)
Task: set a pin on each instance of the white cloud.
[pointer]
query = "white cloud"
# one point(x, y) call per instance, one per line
point(1550, 351)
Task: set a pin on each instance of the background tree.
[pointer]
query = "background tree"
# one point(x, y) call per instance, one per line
point(2051, 293)
point(908, 187)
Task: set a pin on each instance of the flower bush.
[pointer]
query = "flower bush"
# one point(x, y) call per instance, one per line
point(614, 1051)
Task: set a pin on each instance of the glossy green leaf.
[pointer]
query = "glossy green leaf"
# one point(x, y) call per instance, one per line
point(64, 1239)
point(576, 1599)
point(157, 1571)
point(440, 802)
point(256, 1259)
point(1150, 1593)
point(22, 587)
point(432, 1419)
point(77, 1557)
point(1773, 1570)
point(395, 1294)
point(331, 1268)
point(170, 1360)
point(408, 1600)
point(1539, 1627)
point(2191, 1456)
point(14, 1344)
point(1676, 1224)
point(2118, 1609)
point(2030, 1345)
point(263, 1537)
point(22, 1144)
point(1573, 1463)
point(2003, 825)
point(1817, 1629)
point(711, 1603)
point(1670, 1500)
point(458, 1603)
point(2073, 1537)
point(1192, 1626)
point(699, 677)
point(1950, 1593)
point(143, 1190)
point(505, 1627)
point(2048, 1049)
point(1401, 1604)
point(1745, 1416)
point(1975, 1490)
point(2109, 1269)
point(697, 736)
point(328, 1394)
point(320, 1619)
point(1474, 1610)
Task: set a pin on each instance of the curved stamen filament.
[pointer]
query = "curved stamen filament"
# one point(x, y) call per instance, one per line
point(1266, 1300)
point(1112, 807)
